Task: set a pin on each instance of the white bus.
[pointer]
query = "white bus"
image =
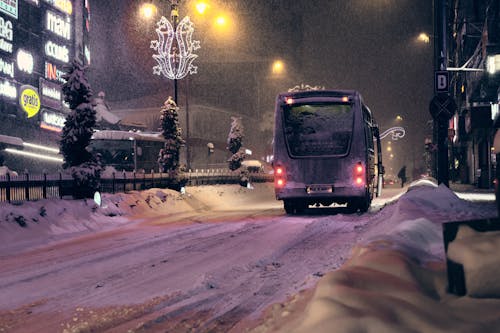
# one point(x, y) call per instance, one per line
point(326, 150)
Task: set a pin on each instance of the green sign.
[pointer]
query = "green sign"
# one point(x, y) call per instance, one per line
point(9, 7)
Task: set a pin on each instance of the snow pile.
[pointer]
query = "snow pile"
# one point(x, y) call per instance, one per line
point(30, 224)
point(396, 280)
point(35, 223)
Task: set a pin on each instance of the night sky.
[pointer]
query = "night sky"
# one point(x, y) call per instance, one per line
point(369, 46)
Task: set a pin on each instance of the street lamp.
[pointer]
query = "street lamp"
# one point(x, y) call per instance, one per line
point(175, 47)
point(148, 10)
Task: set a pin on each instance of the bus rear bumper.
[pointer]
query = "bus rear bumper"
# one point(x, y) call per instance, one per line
point(338, 194)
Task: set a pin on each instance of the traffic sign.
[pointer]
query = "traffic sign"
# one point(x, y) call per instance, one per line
point(441, 82)
point(442, 107)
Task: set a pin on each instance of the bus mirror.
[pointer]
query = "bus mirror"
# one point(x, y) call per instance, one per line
point(139, 151)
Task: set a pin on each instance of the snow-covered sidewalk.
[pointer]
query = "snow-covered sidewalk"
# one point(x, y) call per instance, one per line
point(395, 280)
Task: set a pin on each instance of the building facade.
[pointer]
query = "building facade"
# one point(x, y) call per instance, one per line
point(474, 56)
point(37, 39)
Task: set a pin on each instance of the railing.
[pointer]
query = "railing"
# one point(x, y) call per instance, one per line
point(26, 187)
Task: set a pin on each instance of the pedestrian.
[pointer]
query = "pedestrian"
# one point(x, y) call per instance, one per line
point(402, 175)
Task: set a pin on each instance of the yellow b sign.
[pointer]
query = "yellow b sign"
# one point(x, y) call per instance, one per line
point(29, 100)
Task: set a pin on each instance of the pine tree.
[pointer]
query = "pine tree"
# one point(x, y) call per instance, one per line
point(77, 132)
point(234, 143)
point(168, 158)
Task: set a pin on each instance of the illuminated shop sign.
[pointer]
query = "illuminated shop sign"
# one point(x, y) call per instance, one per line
point(56, 51)
point(51, 94)
point(58, 24)
point(29, 100)
point(34, 2)
point(52, 121)
point(7, 68)
point(7, 89)
point(9, 7)
point(6, 35)
point(53, 73)
point(64, 6)
point(25, 61)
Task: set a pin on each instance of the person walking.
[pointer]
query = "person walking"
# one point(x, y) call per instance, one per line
point(402, 175)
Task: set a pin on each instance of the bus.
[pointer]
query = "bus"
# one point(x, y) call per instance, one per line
point(128, 151)
point(326, 150)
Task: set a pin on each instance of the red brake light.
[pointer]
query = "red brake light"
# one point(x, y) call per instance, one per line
point(279, 177)
point(359, 174)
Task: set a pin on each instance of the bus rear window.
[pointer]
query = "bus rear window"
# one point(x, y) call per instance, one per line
point(318, 129)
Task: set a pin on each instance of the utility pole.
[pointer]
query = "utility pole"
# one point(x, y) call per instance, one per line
point(442, 106)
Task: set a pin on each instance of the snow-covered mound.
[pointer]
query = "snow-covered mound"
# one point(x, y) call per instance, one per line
point(395, 281)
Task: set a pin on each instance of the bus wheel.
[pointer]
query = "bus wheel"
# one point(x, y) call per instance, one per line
point(294, 206)
point(352, 206)
point(289, 206)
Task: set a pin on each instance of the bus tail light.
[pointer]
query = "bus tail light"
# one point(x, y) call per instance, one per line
point(279, 177)
point(359, 174)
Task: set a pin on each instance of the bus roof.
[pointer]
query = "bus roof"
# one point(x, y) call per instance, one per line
point(125, 135)
point(319, 93)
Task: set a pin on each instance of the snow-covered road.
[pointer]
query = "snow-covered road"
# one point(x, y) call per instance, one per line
point(211, 261)
point(217, 263)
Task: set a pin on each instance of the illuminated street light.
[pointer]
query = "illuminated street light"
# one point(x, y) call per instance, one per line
point(148, 10)
point(221, 21)
point(423, 37)
point(278, 67)
point(201, 7)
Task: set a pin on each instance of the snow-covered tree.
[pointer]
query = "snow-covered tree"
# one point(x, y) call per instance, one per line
point(234, 143)
point(168, 158)
point(84, 166)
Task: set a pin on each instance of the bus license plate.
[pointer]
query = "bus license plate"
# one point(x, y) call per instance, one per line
point(319, 189)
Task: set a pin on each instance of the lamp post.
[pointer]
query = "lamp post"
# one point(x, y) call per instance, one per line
point(175, 53)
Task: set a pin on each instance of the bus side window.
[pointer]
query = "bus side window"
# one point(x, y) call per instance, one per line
point(368, 128)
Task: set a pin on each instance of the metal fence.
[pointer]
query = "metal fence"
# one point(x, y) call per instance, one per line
point(26, 187)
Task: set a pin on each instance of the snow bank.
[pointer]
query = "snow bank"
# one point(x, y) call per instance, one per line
point(395, 281)
point(30, 224)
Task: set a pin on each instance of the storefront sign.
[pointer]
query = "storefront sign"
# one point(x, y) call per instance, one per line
point(58, 24)
point(56, 51)
point(64, 6)
point(25, 61)
point(52, 121)
point(51, 94)
point(7, 67)
point(53, 73)
point(9, 7)
point(29, 100)
point(6, 35)
point(7, 89)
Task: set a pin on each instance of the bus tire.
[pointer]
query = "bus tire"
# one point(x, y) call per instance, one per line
point(294, 206)
point(289, 206)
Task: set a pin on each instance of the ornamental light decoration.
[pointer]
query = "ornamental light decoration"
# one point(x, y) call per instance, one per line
point(395, 132)
point(175, 48)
